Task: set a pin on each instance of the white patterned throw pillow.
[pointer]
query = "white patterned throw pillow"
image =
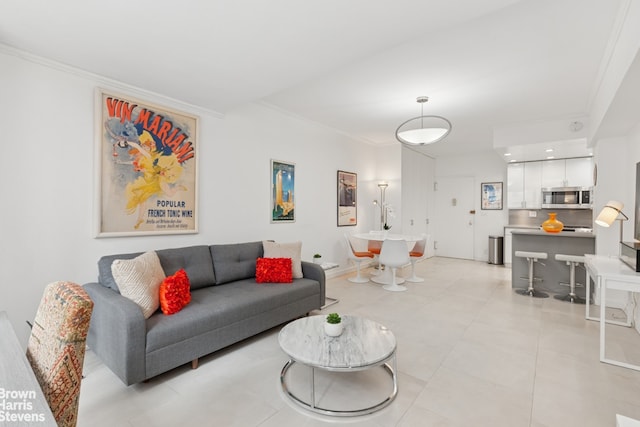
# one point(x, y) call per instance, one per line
point(286, 250)
point(139, 280)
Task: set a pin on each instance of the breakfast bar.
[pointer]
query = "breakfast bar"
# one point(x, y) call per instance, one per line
point(554, 274)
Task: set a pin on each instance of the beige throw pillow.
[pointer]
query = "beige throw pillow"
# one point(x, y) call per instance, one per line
point(139, 280)
point(286, 250)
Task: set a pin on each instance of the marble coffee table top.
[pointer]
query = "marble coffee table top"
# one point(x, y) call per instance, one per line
point(362, 344)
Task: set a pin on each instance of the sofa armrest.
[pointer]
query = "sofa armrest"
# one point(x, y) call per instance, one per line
point(118, 333)
point(313, 271)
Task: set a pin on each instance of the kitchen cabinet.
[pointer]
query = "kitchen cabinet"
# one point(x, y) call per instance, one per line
point(417, 195)
point(554, 173)
point(576, 172)
point(579, 172)
point(506, 253)
point(524, 185)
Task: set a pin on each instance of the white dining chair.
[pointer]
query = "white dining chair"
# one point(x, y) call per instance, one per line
point(374, 246)
point(416, 254)
point(394, 254)
point(357, 257)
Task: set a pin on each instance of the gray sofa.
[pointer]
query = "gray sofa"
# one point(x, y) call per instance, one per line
point(227, 305)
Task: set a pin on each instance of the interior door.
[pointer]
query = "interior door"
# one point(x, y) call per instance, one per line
point(454, 217)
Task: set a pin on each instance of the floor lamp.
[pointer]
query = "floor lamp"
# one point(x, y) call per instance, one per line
point(383, 186)
point(611, 212)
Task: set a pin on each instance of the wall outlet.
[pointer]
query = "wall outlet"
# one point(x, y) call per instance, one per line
point(533, 214)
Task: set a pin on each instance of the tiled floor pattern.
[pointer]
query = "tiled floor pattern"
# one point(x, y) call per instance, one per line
point(470, 353)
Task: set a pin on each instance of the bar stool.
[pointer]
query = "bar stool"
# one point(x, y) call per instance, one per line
point(572, 261)
point(531, 258)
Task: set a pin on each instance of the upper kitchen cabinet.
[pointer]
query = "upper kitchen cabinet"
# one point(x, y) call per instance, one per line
point(524, 185)
point(553, 173)
point(576, 172)
point(580, 172)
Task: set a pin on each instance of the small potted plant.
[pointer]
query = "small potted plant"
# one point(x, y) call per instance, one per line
point(317, 258)
point(333, 326)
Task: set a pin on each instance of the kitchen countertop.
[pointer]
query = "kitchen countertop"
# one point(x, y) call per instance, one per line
point(538, 232)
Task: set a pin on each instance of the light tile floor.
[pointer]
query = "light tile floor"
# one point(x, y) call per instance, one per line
point(470, 353)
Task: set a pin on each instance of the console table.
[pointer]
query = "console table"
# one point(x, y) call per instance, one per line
point(22, 402)
point(610, 273)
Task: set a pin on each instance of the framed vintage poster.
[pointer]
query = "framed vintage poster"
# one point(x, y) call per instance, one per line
point(491, 195)
point(283, 179)
point(347, 198)
point(146, 160)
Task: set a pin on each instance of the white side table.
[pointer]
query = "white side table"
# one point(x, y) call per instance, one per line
point(611, 273)
point(622, 421)
point(328, 301)
point(592, 269)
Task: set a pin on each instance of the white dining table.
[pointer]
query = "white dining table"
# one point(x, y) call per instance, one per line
point(386, 277)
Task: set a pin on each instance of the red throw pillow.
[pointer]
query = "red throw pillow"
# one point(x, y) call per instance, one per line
point(274, 270)
point(175, 292)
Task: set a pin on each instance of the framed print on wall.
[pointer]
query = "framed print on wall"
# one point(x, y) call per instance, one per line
point(146, 164)
point(491, 196)
point(283, 179)
point(347, 198)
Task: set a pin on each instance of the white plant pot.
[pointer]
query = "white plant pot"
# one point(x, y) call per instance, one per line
point(317, 260)
point(333, 329)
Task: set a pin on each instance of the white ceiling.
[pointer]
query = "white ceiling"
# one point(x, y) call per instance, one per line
point(356, 66)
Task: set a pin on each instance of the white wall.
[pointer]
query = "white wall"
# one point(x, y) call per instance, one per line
point(46, 231)
point(616, 181)
point(483, 167)
point(634, 157)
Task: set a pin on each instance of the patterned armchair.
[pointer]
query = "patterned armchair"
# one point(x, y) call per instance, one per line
point(56, 347)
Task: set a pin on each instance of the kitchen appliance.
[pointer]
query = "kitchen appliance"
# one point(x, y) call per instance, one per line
point(566, 198)
point(576, 228)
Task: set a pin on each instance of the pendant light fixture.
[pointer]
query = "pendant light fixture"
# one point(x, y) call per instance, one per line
point(423, 130)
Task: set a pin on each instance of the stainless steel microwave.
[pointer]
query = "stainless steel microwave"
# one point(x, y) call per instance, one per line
point(566, 198)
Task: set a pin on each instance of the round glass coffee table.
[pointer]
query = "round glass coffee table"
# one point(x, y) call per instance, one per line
point(364, 344)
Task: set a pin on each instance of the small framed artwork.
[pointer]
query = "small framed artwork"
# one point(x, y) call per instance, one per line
point(347, 198)
point(283, 179)
point(491, 195)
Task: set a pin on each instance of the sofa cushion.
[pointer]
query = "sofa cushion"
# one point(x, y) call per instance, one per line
point(195, 260)
point(175, 292)
point(236, 261)
point(139, 280)
point(220, 306)
point(105, 276)
point(273, 270)
point(286, 250)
